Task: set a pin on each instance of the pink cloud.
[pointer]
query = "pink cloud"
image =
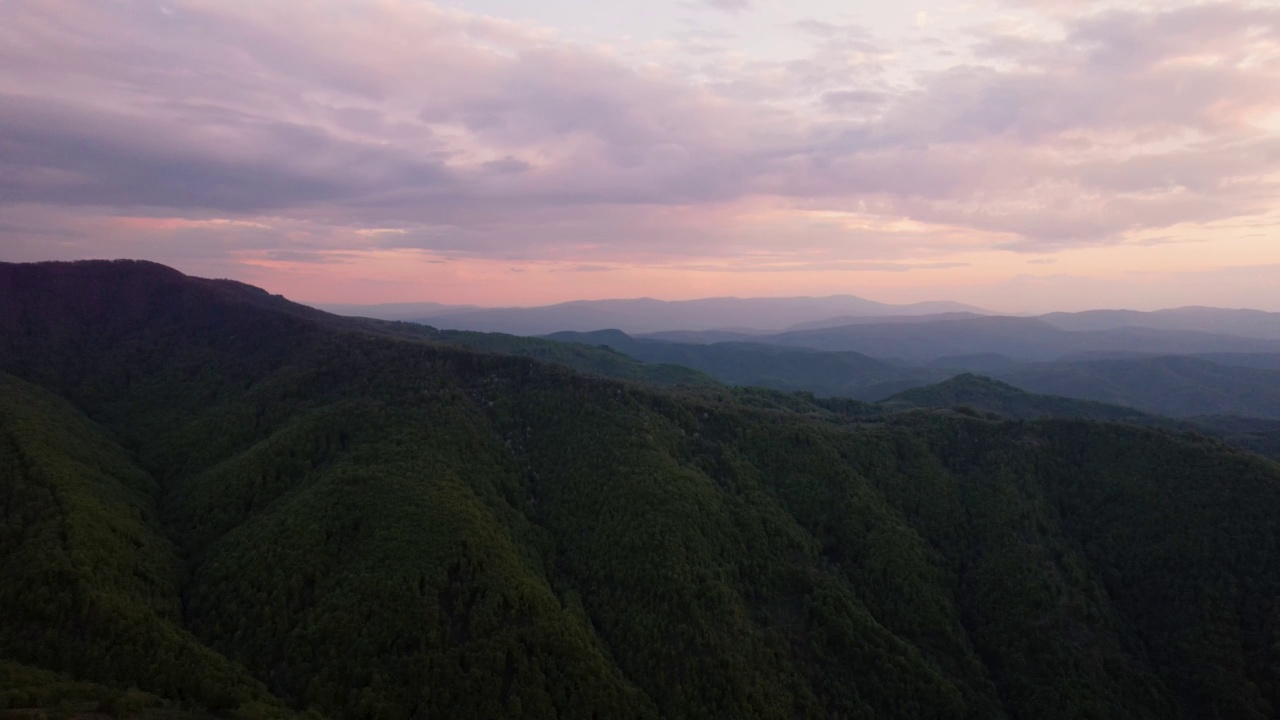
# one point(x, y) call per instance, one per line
point(483, 138)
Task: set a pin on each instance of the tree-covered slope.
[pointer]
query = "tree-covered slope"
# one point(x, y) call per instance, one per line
point(92, 587)
point(845, 374)
point(968, 393)
point(1257, 435)
point(1173, 386)
point(598, 359)
point(373, 526)
point(992, 395)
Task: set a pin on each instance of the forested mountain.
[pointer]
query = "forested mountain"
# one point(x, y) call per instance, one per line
point(847, 374)
point(992, 395)
point(1233, 384)
point(1254, 434)
point(245, 508)
point(1174, 386)
point(968, 393)
point(92, 585)
point(1262, 361)
point(1210, 402)
point(599, 359)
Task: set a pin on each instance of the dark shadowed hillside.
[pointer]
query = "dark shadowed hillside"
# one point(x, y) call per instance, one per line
point(239, 507)
point(1261, 361)
point(846, 374)
point(1174, 386)
point(994, 396)
point(92, 584)
point(1257, 435)
point(600, 359)
point(969, 393)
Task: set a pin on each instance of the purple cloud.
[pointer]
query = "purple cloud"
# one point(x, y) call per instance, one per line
point(732, 6)
point(415, 117)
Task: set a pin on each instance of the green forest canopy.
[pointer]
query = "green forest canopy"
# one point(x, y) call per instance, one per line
point(218, 502)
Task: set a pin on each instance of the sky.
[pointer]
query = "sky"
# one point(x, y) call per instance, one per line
point(1020, 155)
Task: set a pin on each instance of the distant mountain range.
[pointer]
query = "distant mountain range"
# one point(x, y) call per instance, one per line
point(727, 318)
point(746, 315)
point(1022, 339)
point(394, 311)
point(1185, 362)
point(845, 320)
point(1188, 385)
point(1245, 323)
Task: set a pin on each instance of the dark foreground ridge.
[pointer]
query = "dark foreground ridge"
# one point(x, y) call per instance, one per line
point(218, 502)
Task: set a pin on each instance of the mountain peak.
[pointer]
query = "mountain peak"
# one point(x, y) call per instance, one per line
point(984, 393)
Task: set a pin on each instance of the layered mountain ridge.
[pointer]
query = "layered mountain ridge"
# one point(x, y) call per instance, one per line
point(234, 506)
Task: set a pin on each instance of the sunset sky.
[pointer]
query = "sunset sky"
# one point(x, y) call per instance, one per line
point(1021, 155)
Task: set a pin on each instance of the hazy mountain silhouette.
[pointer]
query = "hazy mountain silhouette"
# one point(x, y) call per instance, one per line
point(1021, 339)
point(394, 311)
point(649, 315)
point(845, 320)
point(1246, 384)
point(1244, 323)
point(1173, 386)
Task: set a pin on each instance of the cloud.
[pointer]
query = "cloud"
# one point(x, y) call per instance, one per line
point(840, 99)
point(507, 165)
point(731, 6)
point(57, 154)
point(1230, 286)
point(474, 136)
point(826, 267)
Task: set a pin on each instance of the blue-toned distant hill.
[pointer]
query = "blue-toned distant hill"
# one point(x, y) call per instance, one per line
point(1180, 386)
point(1173, 386)
point(394, 311)
point(1020, 339)
point(845, 320)
point(649, 315)
point(1244, 323)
